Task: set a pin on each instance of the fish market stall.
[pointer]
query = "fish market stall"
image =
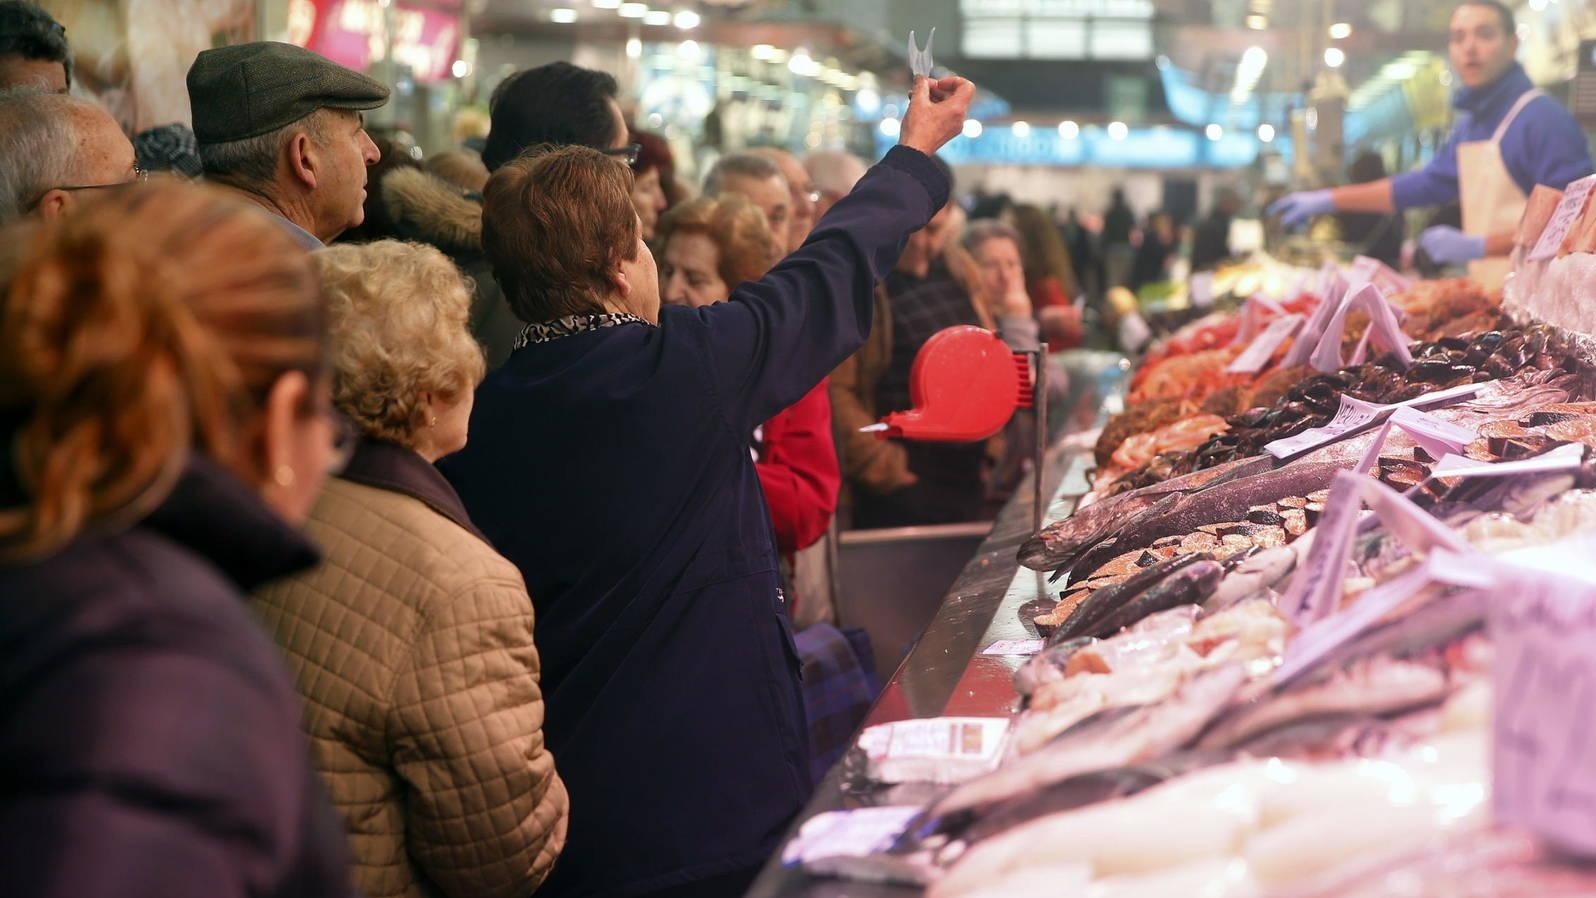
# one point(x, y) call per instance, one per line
point(1312, 615)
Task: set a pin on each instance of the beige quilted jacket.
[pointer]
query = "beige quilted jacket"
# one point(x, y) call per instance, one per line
point(412, 647)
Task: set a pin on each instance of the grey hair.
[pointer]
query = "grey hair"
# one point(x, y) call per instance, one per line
point(835, 171)
point(989, 229)
point(38, 133)
point(251, 164)
point(742, 165)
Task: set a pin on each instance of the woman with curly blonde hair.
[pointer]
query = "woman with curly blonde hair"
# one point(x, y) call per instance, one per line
point(412, 643)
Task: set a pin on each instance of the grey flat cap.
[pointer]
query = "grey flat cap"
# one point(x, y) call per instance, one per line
point(247, 90)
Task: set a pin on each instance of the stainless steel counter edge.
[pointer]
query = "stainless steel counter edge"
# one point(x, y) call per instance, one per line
point(943, 674)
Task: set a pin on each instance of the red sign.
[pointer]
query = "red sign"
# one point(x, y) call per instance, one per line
point(353, 33)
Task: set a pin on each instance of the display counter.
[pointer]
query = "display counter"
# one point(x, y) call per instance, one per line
point(942, 674)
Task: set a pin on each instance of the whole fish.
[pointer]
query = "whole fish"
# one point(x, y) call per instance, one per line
point(1251, 577)
point(1189, 585)
point(1047, 666)
point(1116, 738)
point(1228, 502)
point(1091, 524)
point(1104, 602)
point(1378, 685)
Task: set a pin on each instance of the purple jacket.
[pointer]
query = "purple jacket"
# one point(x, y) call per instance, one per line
point(149, 732)
point(1544, 145)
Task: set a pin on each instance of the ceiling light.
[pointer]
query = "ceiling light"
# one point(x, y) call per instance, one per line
point(1334, 57)
point(460, 68)
point(972, 128)
point(657, 18)
point(1118, 130)
point(1257, 23)
point(890, 127)
point(634, 48)
point(562, 16)
point(1214, 132)
point(690, 51)
point(1340, 31)
point(803, 64)
point(633, 10)
point(1266, 133)
point(606, 4)
point(687, 20)
point(763, 52)
point(1069, 130)
point(1021, 130)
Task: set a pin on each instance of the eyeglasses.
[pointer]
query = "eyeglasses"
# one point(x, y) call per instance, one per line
point(627, 154)
point(140, 176)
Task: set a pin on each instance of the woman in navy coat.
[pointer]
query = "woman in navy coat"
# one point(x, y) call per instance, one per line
point(609, 460)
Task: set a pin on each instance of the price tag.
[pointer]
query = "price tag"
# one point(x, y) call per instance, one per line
point(857, 833)
point(1262, 348)
point(1356, 415)
point(1020, 647)
point(1254, 313)
point(1200, 290)
point(1382, 322)
point(1437, 437)
point(1353, 416)
point(1321, 638)
point(1543, 763)
point(1333, 289)
point(1563, 458)
point(934, 750)
point(1315, 589)
point(1367, 270)
point(1569, 211)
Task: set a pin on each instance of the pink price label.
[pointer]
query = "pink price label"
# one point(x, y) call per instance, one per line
point(1367, 270)
point(1385, 330)
point(1263, 347)
point(1563, 458)
point(1435, 436)
point(1563, 220)
point(1323, 637)
point(1543, 764)
point(1316, 588)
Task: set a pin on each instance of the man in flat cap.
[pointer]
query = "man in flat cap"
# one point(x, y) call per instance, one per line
point(283, 127)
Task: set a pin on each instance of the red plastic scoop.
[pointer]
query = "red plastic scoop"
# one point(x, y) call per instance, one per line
point(965, 386)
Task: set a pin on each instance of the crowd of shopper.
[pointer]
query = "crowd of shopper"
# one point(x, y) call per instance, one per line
point(404, 530)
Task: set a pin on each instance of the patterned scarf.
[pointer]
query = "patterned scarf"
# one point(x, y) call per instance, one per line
point(549, 331)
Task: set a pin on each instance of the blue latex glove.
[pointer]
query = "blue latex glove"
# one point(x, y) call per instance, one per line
point(1298, 209)
point(1449, 246)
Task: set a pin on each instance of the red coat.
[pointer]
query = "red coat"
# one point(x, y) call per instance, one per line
point(797, 467)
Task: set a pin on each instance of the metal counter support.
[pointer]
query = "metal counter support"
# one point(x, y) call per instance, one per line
point(943, 674)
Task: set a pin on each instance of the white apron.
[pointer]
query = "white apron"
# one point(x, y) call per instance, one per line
point(1492, 200)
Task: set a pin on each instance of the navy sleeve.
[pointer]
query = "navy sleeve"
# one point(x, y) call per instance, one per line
point(1546, 146)
point(781, 334)
point(1433, 185)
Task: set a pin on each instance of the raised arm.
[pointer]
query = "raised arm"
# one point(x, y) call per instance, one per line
point(781, 334)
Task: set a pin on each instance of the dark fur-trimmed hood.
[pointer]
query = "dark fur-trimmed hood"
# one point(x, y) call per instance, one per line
point(428, 209)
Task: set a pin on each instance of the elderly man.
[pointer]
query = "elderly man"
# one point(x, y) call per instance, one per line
point(799, 189)
point(33, 49)
point(758, 179)
point(832, 173)
point(56, 149)
point(609, 460)
point(282, 127)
